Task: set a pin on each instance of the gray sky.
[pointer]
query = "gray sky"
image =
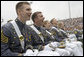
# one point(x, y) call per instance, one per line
point(50, 9)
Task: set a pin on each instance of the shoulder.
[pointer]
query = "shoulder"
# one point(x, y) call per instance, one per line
point(29, 28)
point(7, 29)
point(5, 32)
point(7, 26)
point(42, 28)
point(55, 29)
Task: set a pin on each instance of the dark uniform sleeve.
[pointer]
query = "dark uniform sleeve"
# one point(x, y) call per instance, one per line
point(36, 39)
point(37, 43)
point(5, 36)
point(56, 34)
point(64, 34)
point(47, 37)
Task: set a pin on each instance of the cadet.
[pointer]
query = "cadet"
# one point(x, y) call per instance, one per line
point(75, 46)
point(38, 19)
point(54, 33)
point(54, 22)
point(48, 26)
point(60, 28)
point(77, 33)
point(16, 36)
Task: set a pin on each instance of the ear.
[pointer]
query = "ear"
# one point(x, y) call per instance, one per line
point(35, 20)
point(19, 11)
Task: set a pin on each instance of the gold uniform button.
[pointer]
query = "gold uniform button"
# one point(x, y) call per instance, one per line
point(14, 37)
point(24, 33)
point(13, 42)
point(19, 54)
point(14, 32)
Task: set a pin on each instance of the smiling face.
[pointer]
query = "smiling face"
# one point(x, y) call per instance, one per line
point(25, 12)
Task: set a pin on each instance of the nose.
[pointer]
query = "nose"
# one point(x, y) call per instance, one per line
point(30, 12)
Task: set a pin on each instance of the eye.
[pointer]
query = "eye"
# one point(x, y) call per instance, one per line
point(28, 9)
point(41, 15)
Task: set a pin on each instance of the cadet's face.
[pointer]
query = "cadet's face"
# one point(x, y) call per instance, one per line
point(26, 12)
point(48, 25)
point(40, 18)
point(62, 24)
point(54, 22)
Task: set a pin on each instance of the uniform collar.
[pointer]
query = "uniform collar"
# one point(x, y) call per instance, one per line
point(19, 23)
point(38, 28)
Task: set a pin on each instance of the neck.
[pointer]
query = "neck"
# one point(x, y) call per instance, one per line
point(37, 24)
point(55, 25)
point(22, 20)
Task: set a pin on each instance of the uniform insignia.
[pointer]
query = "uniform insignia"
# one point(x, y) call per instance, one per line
point(4, 39)
point(53, 33)
point(21, 37)
point(40, 34)
point(75, 32)
point(30, 37)
point(62, 45)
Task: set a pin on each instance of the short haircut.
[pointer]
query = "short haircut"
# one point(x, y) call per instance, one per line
point(60, 24)
point(45, 22)
point(34, 15)
point(51, 21)
point(20, 4)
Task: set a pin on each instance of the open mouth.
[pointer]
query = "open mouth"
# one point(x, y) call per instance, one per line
point(29, 15)
point(42, 20)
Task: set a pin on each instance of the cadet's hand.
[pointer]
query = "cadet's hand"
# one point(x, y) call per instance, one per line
point(20, 54)
point(41, 47)
point(29, 52)
point(30, 47)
